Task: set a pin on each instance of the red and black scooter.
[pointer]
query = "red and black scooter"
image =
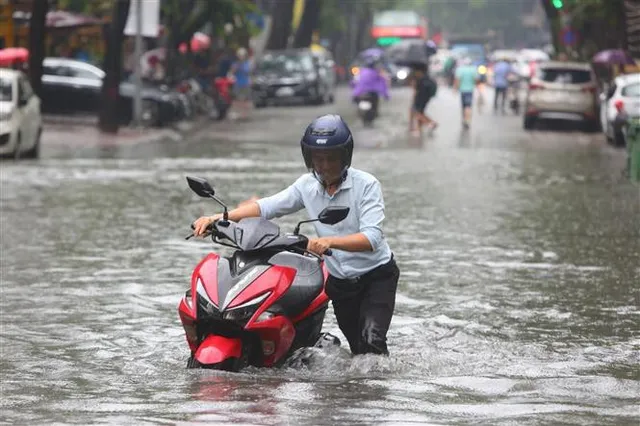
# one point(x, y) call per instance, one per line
point(262, 303)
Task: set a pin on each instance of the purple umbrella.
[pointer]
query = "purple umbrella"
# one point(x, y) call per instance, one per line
point(374, 51)
point(613, 57)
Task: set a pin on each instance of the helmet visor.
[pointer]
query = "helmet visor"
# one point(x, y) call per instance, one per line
point(328, 164)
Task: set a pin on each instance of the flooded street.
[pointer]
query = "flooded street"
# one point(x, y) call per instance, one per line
point(518, 300)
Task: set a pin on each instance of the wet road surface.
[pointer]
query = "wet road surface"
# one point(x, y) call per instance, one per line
point(518, 299)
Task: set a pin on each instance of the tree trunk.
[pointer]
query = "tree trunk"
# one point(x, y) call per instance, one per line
point(308, 23)
point(282, 14)
point(554, 25)
point(37, 34)
point(109, 120)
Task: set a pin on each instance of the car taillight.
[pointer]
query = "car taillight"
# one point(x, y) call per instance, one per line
point(591, 89)
point(535, 86)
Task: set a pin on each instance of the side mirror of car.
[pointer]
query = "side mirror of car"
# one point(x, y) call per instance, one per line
point(22, 102)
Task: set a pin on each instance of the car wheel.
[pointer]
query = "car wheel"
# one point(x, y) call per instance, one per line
point(35, 151)
point(592, 126)
point(150, 115)
point(16, 152)
point(529, 123)
point(607, 133)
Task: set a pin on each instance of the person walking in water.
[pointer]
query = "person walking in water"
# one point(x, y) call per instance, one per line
point(465, 83)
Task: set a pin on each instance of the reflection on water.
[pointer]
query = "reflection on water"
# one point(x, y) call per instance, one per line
point(518, 301)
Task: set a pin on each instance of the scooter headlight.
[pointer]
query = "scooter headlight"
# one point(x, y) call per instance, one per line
point(241, 314)
point(402, 74)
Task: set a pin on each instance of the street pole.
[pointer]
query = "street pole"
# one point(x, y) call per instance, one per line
point(137, 98)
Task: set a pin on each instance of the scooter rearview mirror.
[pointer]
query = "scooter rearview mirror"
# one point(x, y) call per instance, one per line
point(200, 186)
point(333, 214)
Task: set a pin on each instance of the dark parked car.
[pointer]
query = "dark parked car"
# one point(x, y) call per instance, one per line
point(293, 74)
point(73, 86)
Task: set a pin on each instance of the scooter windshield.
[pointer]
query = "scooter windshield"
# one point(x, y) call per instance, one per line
point(251, 233)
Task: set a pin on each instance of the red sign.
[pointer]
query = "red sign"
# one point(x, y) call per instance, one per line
point(377, 32)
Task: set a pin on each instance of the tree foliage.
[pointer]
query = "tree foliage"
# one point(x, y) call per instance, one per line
point(599, 25)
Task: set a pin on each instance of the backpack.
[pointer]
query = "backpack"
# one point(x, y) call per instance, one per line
point(428, 87)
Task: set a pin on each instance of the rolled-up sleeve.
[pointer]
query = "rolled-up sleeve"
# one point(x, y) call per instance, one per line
point(372, 214)
point(284, 202)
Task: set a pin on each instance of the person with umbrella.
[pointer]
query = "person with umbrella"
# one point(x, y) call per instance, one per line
point(424, 90)
point(371, 81)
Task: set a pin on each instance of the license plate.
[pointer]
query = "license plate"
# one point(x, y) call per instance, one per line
point(365, 105)
point(285, 91)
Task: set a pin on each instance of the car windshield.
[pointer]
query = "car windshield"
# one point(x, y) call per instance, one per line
point(564, 75)
point(631, 91)
point(285, 63)
point(6, 90)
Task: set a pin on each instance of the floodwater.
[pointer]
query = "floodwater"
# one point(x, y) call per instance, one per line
point(518, 301)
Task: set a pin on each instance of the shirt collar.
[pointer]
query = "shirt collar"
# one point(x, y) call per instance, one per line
point(346, 184)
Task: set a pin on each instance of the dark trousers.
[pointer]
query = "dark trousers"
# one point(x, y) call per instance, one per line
point(364, 306)
point(501, 92)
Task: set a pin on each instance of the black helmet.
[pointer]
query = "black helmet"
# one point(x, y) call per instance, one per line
point(325, 133)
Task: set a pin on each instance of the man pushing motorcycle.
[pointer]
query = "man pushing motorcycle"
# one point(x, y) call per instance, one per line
point(363, 276)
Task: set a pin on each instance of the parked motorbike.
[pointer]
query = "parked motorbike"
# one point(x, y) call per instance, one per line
point(367, 107)
point(261, 303)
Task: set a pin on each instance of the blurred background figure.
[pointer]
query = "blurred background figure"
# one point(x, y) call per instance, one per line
point(466, 82)
point(240, 72)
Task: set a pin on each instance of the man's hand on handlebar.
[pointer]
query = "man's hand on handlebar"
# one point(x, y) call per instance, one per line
point(200, 226)
point(320, 246)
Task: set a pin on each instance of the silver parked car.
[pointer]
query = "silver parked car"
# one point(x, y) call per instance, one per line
point(563, 91)
point(622, 95)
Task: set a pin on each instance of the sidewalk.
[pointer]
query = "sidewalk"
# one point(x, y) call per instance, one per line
point(84, 132)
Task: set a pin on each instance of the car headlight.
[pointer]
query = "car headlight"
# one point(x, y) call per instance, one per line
point(312, 76)
point(402, 74)
point(166, 98)
point(6, 115)
point(241, 314)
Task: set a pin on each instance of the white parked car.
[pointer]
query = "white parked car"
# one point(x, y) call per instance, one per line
point(625, 90)
point(20, 119)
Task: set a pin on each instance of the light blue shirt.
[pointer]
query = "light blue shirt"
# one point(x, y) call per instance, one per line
point(361, 192)
point(501, 72)
point(467, 75)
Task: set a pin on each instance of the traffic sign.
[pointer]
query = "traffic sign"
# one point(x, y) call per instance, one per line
point(568, 37)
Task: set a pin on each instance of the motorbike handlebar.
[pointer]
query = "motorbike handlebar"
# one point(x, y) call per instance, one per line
point(211, 229)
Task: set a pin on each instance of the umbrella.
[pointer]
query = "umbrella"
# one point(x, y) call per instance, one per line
point(613, 57)
point(12, 55)
point(409, 53)
point(535, 55)
point(432, 47)
point(199, 42)
point(374, 51)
